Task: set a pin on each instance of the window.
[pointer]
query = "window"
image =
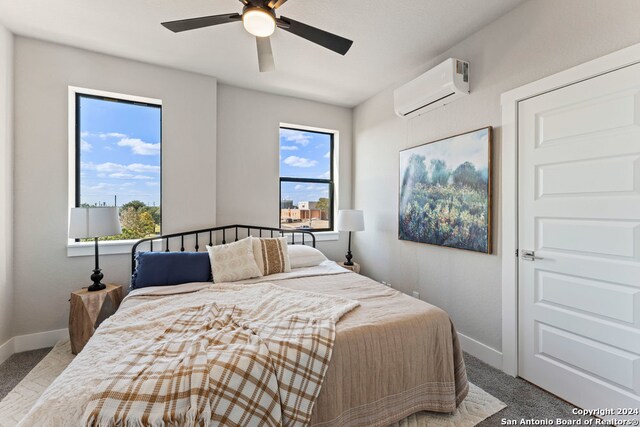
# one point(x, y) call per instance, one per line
point(118, 160)
point(306, 179)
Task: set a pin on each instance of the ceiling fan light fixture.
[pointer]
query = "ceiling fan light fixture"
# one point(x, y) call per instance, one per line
point(258, 22)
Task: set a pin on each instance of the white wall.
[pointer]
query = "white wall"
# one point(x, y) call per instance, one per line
point(537, 39)
point(44, 275)
point(6, 191)
point(248, 155)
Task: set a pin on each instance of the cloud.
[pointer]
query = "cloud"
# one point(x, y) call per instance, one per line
point(298, 187)
point(328, 155)
point(99, 188)
point(140, 147)
point(296, 136)
point(152, 184)
point(300, 162)
point(121, 175)
point(85, 146)
point(111, 135)
point(111, 168)
point(288, 147)
point(325, 175)
point(104, 135)
point(140, 168)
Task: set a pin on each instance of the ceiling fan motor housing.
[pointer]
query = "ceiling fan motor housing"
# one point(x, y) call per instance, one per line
point(266, 9)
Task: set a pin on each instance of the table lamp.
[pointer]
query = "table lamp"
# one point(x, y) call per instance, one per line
point(91, 223)
point(350, 220)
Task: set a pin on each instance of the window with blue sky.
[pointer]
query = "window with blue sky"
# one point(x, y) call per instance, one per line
point(306, 179)
point(119, 161)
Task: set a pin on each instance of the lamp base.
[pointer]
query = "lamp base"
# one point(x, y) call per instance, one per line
point(96, 277)
point(349, 257)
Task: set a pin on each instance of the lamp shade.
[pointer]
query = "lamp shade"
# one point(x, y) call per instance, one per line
point(87, 223)
point(350, 220)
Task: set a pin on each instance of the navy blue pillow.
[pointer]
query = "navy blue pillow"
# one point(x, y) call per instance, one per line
point(170, 268)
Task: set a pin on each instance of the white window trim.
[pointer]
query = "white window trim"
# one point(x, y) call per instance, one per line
point(112, 247)
point(119, 247)
point(107, 247)
point(323, 236)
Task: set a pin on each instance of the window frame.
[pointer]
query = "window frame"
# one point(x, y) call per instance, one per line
point(331, 181)
point(76, 248)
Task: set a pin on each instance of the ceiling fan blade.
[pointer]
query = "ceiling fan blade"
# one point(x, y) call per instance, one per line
point(330, 41)
point(274, 4)
point(265, 55)
point(203, 21)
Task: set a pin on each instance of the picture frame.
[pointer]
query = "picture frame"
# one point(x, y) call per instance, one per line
point(445, 192)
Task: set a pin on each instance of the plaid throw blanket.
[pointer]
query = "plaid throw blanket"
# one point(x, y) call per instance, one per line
point(214, 367)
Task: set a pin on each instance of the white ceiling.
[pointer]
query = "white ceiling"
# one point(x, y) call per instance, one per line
point(392, 38)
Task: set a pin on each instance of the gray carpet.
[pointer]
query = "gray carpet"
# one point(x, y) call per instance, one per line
point(16, 367)
point(523, 399)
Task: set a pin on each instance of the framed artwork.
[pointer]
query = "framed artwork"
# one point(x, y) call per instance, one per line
point(445, 192)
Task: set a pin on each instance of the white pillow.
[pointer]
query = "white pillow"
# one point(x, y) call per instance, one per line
point(271, 255)
point(233, 262)
point(305, 256)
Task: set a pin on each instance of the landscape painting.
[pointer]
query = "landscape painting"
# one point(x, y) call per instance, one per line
point(445, 192)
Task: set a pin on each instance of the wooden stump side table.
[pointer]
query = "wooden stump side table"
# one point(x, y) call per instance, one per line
point(88, 310)
point(355, 267)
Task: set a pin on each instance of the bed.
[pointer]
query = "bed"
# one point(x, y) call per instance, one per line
point(392, 355)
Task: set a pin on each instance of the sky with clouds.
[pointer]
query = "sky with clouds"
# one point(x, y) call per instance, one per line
point(304, 155)
point(471, 147)
point(119, 152)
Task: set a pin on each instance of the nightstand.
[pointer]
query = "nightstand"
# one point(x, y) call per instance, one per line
point(88, 310)
point(355, 267)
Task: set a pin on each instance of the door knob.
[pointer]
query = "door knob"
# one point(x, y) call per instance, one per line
point(529, 256)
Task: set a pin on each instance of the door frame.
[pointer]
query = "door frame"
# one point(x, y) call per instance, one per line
point(509, 181)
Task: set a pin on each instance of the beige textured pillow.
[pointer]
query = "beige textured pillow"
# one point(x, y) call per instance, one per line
point(233, 262)
point(272, 255)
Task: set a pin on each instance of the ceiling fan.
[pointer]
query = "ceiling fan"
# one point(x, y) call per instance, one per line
point(260, 20)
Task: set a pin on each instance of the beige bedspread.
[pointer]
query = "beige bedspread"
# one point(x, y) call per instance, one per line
point(232, 355)
point(393, 355)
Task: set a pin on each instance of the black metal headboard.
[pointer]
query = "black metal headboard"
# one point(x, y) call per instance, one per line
point(211, 236)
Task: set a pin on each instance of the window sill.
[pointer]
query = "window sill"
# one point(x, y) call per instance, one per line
point(114, 247)
point(118, 247)
point(326, 236)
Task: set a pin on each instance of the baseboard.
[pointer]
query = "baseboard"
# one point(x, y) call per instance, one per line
point(483, 352)
point(6, 350)
point(38, 340)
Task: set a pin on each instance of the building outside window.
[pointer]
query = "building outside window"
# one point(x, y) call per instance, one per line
point(118, 161)
point(306, 179)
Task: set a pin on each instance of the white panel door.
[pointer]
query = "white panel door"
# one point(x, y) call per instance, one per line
point(579, 211)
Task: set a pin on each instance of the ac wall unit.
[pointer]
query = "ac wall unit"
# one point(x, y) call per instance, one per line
point(437, 87)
